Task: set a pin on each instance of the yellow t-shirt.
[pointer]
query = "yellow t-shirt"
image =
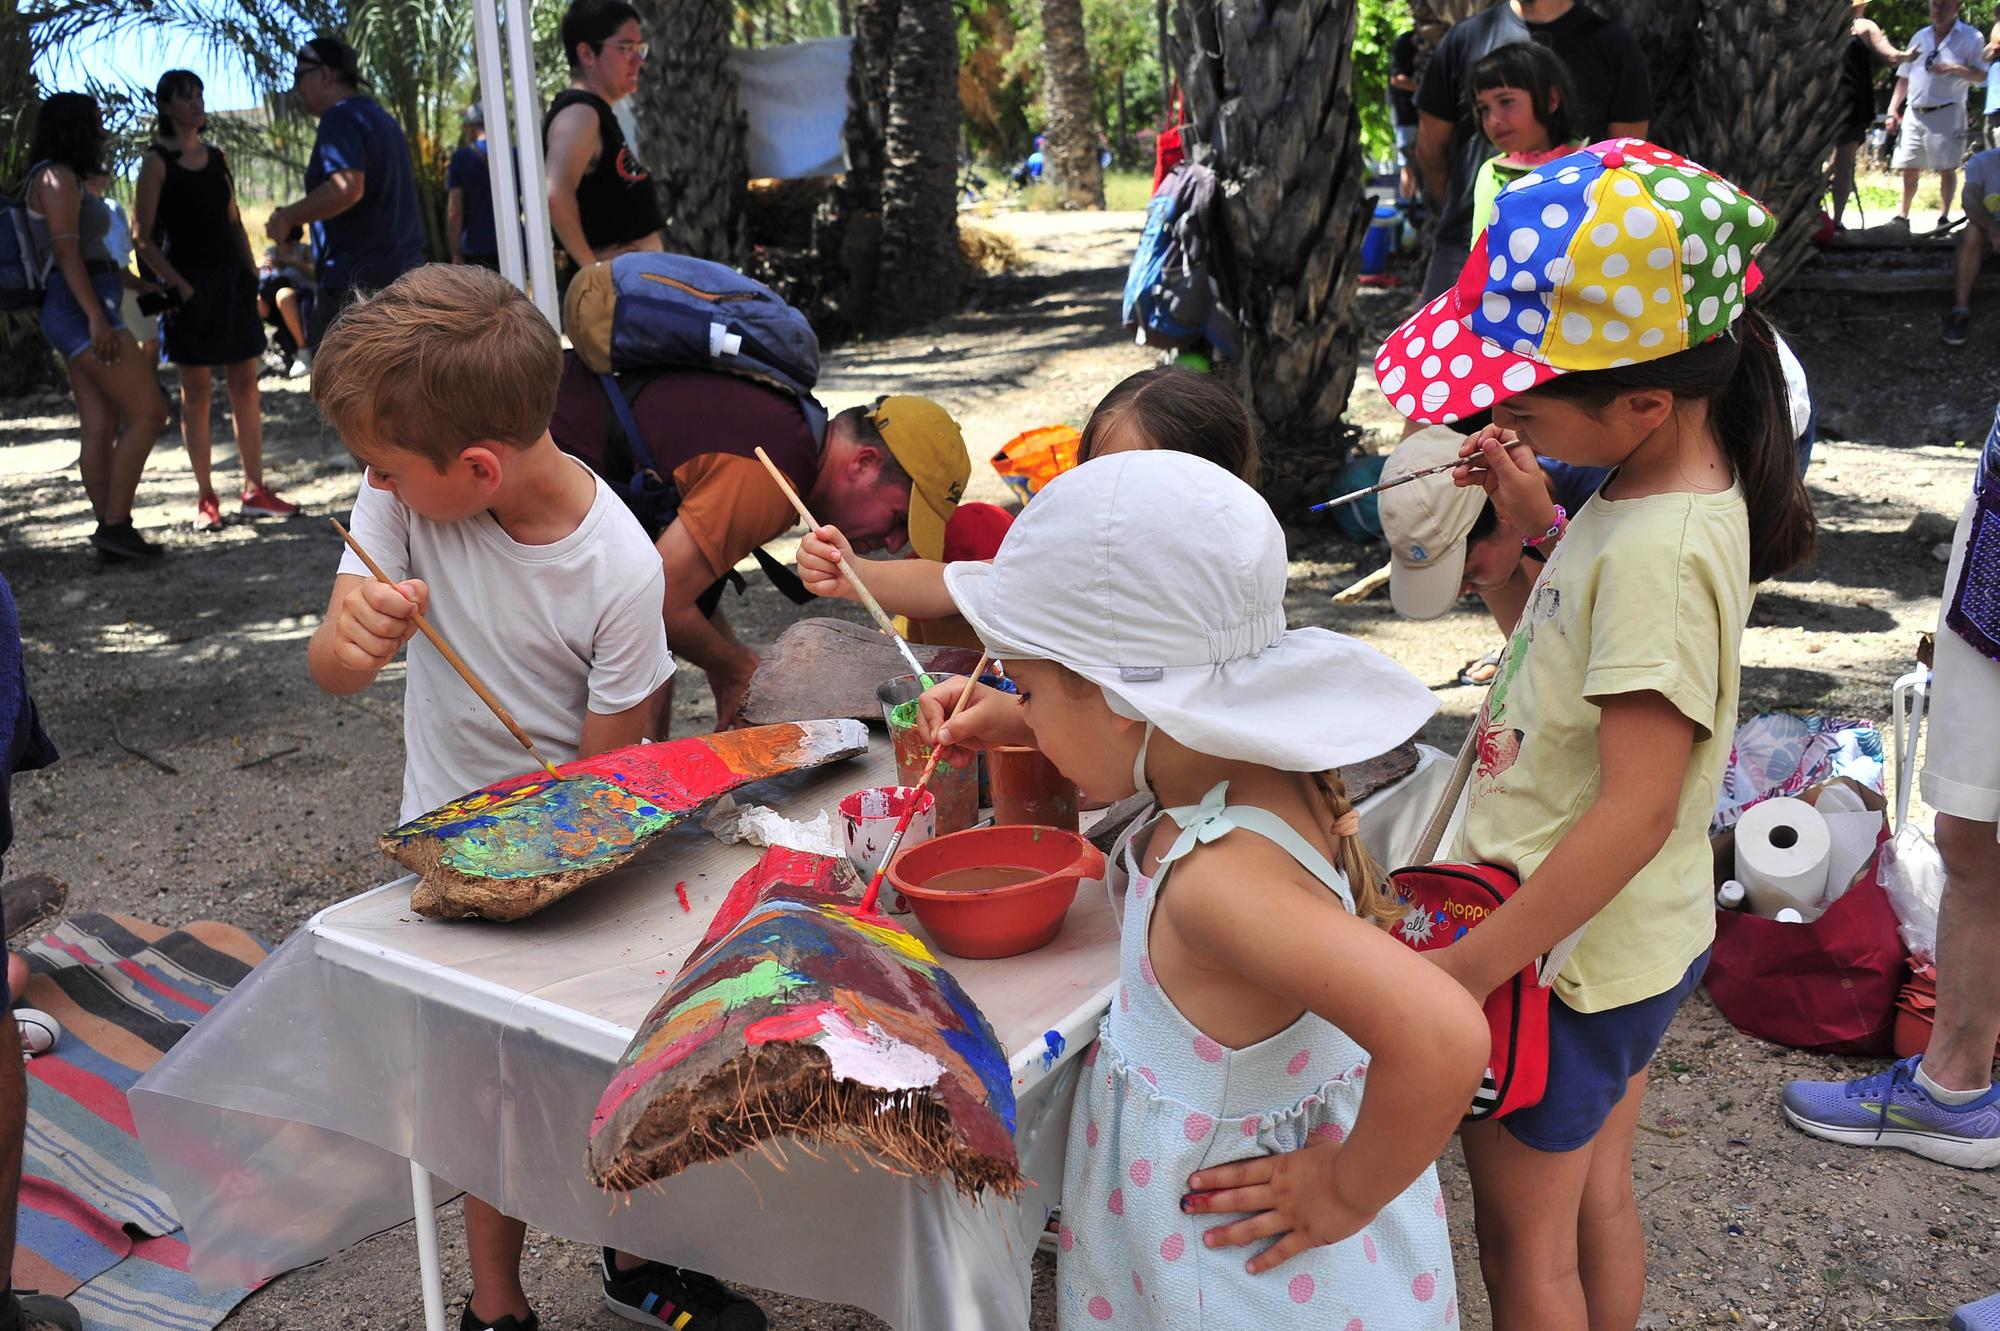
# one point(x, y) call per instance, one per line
point(1642, 595)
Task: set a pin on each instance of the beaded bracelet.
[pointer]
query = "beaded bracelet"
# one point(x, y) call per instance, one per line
point(1554, 532)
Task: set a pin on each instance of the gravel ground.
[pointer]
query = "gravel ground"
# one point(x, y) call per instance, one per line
point(276, 792)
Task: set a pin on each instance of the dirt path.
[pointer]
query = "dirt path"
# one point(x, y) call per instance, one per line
point(278, 791)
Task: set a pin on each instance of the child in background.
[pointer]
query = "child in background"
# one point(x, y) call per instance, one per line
point(1609, 329)
point(535, 572)
point(1165, 402)
point(1521, 97)
point(1258, 997)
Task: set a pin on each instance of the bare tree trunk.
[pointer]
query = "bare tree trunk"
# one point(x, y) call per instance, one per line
point(1066, 85)
point(918, 276)
point(690, 129)
point(1765, 82)
point(1270, 92)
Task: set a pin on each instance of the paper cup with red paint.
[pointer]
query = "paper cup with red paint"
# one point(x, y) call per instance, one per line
point(868, 819)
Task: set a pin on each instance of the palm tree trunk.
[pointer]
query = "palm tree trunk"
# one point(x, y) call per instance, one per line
point(691, 132)
point(918, 276)
point(1270, 91)
point(1766, 78)
point(1066, 84)
point(1666, 33)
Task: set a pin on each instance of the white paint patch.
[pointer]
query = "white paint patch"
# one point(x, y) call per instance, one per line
point(874, 1057)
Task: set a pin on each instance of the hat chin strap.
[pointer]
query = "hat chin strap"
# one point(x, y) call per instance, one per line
point(1139, 786)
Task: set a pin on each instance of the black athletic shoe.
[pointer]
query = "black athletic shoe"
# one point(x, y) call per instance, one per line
point(660, 1295)
point(29, 1311)
point(1956, 325)
point(120, 543)
point(467, 1322)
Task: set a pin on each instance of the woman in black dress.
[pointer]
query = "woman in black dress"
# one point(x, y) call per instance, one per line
point(1866, 45)
point(190, 234)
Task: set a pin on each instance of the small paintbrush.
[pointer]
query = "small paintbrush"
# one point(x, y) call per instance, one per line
point(868, 601)
point(1390, 485)
point(457, 663)
point(867, 906)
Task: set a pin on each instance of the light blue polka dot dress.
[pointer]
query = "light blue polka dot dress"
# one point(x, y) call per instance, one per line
point(1160, 1100)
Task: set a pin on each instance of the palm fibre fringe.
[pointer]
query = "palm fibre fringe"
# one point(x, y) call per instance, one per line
point(789, 1090)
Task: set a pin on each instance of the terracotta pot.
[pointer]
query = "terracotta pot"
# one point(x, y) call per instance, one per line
point(1027, 788)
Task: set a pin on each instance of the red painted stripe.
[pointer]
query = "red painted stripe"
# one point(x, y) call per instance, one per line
point(792, 1024)
point(159, 986)
point(95, 1094)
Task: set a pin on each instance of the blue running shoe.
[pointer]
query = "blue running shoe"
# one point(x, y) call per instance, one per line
point(1982, 1315)
point(1890, 1109)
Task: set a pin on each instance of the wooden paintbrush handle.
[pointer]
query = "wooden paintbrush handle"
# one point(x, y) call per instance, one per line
point(444, 650)
point(903, 824)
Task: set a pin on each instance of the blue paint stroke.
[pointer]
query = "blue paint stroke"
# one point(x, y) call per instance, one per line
point(1053, 1046)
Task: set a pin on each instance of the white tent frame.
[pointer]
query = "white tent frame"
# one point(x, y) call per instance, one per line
point(535, 271)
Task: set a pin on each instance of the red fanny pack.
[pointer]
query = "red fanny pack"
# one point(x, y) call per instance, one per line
point(1442, 901)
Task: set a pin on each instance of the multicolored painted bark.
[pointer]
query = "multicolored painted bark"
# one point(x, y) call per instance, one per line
point(511, 848)
point(797, 1017)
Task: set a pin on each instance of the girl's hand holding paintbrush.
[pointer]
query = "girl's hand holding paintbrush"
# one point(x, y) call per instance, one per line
point(1498, 462)
point(991, 719)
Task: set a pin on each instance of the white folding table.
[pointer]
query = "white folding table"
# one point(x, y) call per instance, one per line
point(376, 1049)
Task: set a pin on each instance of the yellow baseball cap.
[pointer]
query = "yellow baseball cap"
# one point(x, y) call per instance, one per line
point(926, 443)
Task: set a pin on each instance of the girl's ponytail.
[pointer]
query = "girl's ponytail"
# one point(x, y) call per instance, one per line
point(1752, 419)
point(1372, 898)
point(1739, 375)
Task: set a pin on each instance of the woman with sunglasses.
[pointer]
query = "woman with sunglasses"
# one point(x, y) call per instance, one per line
point(601, 197)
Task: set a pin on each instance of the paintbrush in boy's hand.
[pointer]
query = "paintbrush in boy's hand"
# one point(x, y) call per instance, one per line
point(444, 650)
point(868, 601)
point(867, 906)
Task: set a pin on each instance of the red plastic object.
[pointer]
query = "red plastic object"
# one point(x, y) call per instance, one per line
point(1916, 1013)
point(998, 921)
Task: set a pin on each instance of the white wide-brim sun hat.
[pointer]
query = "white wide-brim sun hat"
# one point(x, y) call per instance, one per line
point(1160, 577)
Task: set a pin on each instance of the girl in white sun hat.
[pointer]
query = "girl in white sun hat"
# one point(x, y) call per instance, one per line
point(1138, 604)
point(1604, 321)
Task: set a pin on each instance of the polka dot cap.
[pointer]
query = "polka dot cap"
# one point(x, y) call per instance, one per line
point(1619, 253)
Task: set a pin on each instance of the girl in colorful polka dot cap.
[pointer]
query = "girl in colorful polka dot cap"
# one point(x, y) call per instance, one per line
point(1603, 321)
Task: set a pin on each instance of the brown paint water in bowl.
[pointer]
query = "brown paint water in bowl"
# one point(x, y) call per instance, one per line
point(982, 877)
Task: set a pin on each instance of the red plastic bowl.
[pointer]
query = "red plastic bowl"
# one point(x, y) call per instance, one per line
point(998, 921)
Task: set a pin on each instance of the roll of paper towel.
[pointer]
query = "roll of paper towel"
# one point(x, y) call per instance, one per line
point(1782, 851)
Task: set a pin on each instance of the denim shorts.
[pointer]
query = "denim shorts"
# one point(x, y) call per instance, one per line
point(65, 324)
point(1592, 1055)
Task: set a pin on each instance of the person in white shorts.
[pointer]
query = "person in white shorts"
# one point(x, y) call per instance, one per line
point(1927, 112)
point(1943, 1104)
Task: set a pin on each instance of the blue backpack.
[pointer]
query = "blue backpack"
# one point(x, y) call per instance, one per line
point(649, 311)
point(1171, 298)
point(21, 281)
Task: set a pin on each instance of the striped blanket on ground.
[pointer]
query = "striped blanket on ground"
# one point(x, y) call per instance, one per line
point(93, 1224)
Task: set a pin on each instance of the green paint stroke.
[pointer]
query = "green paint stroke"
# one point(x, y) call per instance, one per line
point(904, 715)
point(766, 980)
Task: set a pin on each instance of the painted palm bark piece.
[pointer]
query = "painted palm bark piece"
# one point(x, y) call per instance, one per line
point(516, 846)
point(796, 1017)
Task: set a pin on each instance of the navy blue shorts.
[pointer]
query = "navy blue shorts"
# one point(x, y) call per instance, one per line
point(1592, 1055)
point(64, 322)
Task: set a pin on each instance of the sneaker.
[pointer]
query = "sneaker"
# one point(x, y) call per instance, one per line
point(660, 1295)
point(120, 543)
point(467, 1322)
point(264, 502)
point(300, 368)
point(1956, 325)
point(1890, 1109)
point(207, 514)
point(43, 1312)
point(1979, 1315)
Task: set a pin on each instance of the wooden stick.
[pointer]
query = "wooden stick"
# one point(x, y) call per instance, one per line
point(910, 810)
point(873, 606)
point(444, 650)
point(1363, 588)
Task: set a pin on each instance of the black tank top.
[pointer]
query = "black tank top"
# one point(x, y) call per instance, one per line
point(1857, 71)
point(192, 221)
point(615, 198)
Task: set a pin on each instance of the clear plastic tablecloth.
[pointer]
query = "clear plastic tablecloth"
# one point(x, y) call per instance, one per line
point(282, 1124)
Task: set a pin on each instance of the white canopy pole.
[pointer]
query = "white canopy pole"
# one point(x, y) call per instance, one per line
point(499, 147)
point(541, 263)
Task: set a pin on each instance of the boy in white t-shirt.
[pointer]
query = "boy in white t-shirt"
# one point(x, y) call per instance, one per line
point(1981, 238)
point(535, 572)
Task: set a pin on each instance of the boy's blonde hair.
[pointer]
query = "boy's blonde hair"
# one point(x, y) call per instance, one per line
point(445, 357)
